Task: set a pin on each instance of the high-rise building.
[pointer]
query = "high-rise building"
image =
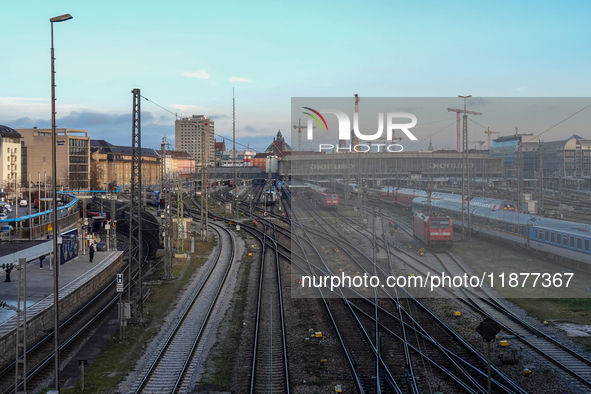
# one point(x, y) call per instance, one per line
point(195, 135)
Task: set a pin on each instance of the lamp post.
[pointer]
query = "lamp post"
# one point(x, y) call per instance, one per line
point(60, 18)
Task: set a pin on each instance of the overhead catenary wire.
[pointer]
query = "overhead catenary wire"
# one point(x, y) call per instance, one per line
point(215, 134)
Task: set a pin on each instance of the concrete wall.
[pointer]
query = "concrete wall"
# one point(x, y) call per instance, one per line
point(72, 296)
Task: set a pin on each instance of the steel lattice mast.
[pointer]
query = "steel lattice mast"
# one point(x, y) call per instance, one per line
point(466, 233)
point(180, 233)
point(165, 213)
point(135, 217)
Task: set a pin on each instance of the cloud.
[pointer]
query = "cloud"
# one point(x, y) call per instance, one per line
point(201, 74)
point(185, 109)
point(478, 102)
point(238, 79)
point(220, 116)
point(84, 120)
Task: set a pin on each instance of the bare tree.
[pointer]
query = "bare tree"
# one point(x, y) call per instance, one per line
point(97, 173)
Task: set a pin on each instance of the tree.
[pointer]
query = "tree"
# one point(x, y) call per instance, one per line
point(97, 173)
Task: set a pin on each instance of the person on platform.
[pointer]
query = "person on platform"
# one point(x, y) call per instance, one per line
point(91, 252)
point(41, 258)
point(7, 270)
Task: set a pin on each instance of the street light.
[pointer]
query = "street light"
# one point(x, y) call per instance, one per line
point(60, 18)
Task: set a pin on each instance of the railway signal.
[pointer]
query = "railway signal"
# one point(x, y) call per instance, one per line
point(488, 330)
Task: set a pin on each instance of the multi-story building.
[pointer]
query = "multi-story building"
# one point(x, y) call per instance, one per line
point(72, 152)
point(183, 164)
point(570, 157)
point(113, 164)
point(195, 135)
point(10, 156)
point(239, 158)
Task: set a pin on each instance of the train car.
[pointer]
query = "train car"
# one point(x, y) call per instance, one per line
point(340, 185)
point(269, 196)
point(492, 203)
point(560, 239)
point(557, 239)
point(404, 198)
point(387, 194)
point(153, 198)
point(434, 231)
point(322, 196)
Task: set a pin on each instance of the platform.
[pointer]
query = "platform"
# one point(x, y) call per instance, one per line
point(73, 274)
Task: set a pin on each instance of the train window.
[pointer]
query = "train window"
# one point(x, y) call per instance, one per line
point(540, 234)
point(579, 243)
point(547, 236)
point(572, 241)
point(587, 245)
point(552, 237)
point(565, 240)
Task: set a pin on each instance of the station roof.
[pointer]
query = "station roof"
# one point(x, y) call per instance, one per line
point(11, 251)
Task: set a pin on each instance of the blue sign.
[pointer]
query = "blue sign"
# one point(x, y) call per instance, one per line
point(69, 246)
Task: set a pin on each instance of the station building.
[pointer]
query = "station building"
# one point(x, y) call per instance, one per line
point(400, 165)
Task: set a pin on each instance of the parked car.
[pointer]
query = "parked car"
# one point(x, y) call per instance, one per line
point(23, 203)
point(4, 207)
point(6, 228)
point(3, 216)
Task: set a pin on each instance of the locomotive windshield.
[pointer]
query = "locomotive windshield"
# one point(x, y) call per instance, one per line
point(439, 223)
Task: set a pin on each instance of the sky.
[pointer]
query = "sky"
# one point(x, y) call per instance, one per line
point(187, 56)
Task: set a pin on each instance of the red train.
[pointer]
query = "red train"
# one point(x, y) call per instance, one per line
point(322, 196)
point(434, 231)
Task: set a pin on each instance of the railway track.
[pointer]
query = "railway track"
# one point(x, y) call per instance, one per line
point(168, 366)
point(269, 372)
point(407, 382)
point(573, 364)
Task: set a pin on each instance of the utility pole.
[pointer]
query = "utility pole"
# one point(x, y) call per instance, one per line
point(167, 220)
point(519, 173)
point(235, 194)
point(359, 180)
point(541, 175)
point(203, 215)
point(180, 233)
point(466, 235)
point(20, 374)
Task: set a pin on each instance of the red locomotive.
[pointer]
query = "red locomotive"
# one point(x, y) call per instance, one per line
point(434, 231)
point(322, 196)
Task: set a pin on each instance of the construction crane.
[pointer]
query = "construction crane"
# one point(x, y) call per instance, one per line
point(458, 112)
point(488, 133)
point(481, 143)
point(299, 128)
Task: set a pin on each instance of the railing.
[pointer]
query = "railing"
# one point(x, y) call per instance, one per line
point(43, 218)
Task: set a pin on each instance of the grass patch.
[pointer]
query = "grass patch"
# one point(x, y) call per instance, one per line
point(573, 310)
point(117, 358)
point(584, 342)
